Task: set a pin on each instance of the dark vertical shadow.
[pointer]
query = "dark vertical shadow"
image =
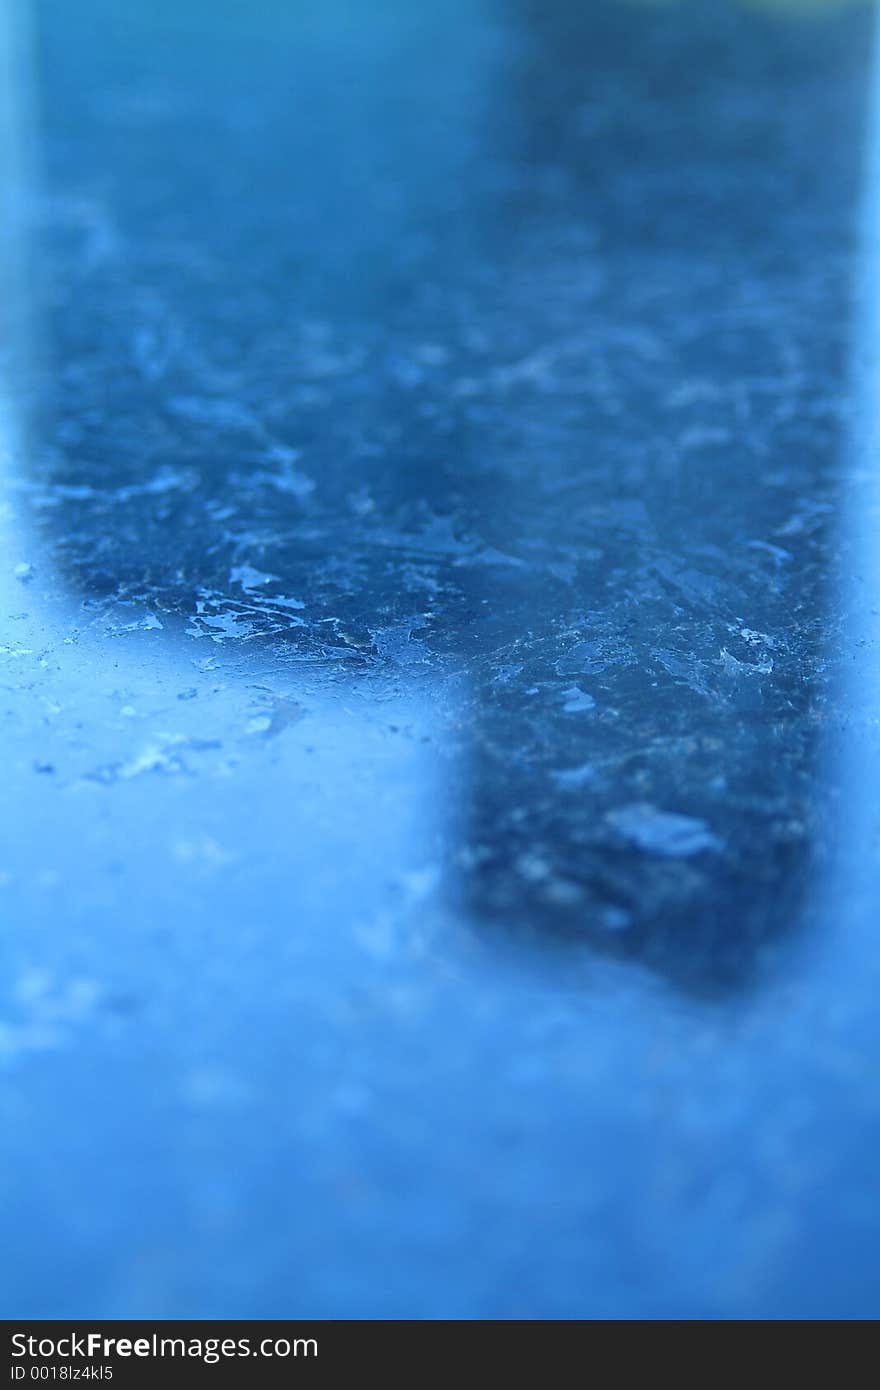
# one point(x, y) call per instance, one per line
point(680, 204)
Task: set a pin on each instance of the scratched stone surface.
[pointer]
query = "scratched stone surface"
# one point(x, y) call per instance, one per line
point(437, 875)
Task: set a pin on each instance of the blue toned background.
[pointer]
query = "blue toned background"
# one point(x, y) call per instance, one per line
point(438, 661)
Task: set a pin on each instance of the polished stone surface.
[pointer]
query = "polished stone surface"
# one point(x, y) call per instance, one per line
point(438, 858)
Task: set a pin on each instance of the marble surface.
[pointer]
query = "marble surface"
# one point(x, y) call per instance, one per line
point(438, 662)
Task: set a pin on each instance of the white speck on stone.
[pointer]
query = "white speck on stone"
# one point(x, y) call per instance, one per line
point(577, 701)
point(663, 832)
point(533, 867)
point(570, 778)
point(249, 577)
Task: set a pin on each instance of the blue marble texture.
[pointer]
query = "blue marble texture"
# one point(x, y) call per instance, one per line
point(439, 660)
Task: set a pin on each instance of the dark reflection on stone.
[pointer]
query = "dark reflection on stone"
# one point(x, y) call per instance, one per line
point(670, 456)
point(501, 348)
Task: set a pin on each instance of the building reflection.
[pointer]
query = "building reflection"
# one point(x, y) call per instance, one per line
point(484, 356)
